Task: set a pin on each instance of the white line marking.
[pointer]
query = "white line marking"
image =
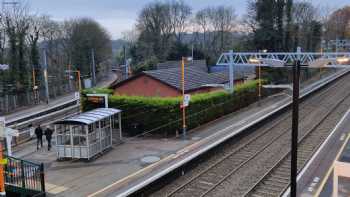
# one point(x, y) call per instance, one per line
point(342, 137)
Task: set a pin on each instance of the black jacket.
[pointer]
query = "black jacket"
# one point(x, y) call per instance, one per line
point(39, 132)
point(48, 133)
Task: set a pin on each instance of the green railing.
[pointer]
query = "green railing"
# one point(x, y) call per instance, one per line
point(24, 178)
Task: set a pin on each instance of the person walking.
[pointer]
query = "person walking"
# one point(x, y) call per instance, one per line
point(31, 131)
point(48, 134)
point(39, 137)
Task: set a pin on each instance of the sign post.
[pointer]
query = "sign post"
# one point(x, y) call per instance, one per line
point(186, 101)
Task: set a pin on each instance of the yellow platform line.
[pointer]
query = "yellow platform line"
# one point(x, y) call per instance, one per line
point(324, 180)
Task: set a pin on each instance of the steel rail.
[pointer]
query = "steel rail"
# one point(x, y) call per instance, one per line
point(266, 131)
point(277, 164)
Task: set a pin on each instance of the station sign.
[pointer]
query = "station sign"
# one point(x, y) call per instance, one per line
point(100, 99)
point(186, 100)
point(96, 99)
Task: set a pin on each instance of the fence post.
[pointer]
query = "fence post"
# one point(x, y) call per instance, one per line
point(42, 178)
point(22, 175)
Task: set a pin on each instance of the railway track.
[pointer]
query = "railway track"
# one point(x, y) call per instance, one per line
point(221, 169)
point(43, 117)
point(276, 180)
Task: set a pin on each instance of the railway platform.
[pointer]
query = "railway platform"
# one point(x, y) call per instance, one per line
point(127, 167)
point(40, 107)
point(317, 177)
point(54, 102)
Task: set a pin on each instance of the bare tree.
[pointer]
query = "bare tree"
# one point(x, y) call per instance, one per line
point(202, 20)
point(338, 24)
point(307, 26)
point(179, 16)
point(222, 19)
point(249, 18)
point(156, 30)
point(16, 22)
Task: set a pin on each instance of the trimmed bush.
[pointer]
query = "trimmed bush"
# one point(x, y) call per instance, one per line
point(163, 116)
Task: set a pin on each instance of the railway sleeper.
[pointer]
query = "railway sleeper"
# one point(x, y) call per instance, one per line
point(275, 179)
point(273, 183)
point(276, 176)
point(207, 183)
point(271, 188)
point(265, 193)
point(282, 173)
point(284, 169)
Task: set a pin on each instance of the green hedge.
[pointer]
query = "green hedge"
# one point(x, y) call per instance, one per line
point(163, 115)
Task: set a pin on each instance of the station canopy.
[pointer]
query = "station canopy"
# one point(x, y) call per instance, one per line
point(90, 117)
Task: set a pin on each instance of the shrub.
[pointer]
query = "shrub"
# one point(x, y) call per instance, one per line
point(163, 115)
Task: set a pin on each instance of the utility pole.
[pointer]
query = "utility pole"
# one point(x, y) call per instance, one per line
point(183, 98)
point(46, 79)
point(93, 76)
point(192, 53)
point(295, 125)
point(126, 63)
point(231, 74)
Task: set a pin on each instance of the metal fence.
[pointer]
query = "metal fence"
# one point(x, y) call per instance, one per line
point(24, 177)
point(13, 100)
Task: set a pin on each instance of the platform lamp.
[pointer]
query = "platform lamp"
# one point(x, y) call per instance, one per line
point(183, 106)
point(79, 84)
point(258, 61)
point(78, 77)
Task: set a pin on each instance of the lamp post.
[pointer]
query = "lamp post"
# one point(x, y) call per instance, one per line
point(79, 86)
point(183, 97)
point(259, 76)
point(46, 80)
point(78, 78)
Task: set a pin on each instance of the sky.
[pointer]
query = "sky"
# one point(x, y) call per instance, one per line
point(118, 16)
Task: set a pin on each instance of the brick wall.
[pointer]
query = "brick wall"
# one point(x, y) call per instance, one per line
point(146, 86)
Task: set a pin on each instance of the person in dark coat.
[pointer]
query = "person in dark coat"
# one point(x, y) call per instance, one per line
point(48, 134)
point(39, 137)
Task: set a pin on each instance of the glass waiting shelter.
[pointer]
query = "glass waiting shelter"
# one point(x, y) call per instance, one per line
point(87, 134)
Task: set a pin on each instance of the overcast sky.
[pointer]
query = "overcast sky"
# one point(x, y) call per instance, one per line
point(120, 15)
